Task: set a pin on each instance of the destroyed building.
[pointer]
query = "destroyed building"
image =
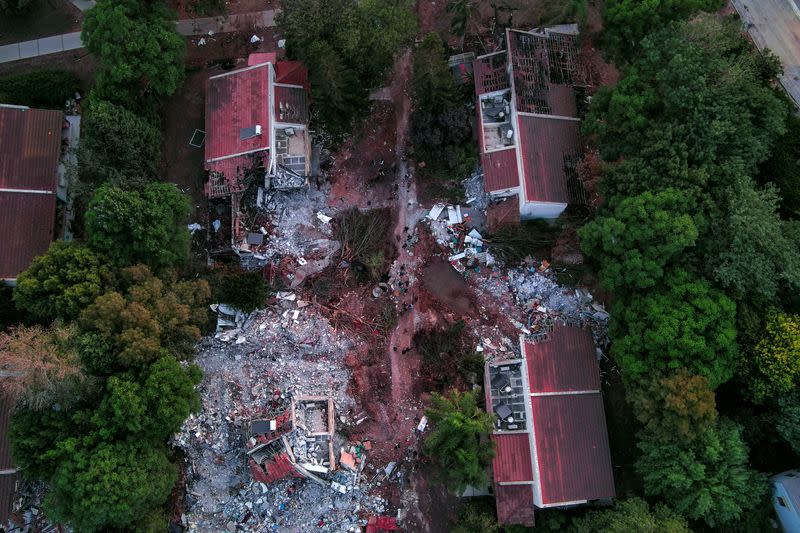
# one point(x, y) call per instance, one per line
point(528, 126)
point(34, 154)
point(299, 443)
point(256, 135)
point(550, 433)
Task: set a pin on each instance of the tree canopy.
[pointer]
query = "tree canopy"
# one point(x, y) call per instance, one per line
point(117, 147)
point(60, 283)
point(139, 226)
point(632, 514)
point(707, 480)
point(138, 47)
point(626, 22)
point(637, 239)
point(110, 485)
point(776, 357)
point(347, 46)
point(143, 316)
point(678, 406)
point(684, 324)
point(454, 442)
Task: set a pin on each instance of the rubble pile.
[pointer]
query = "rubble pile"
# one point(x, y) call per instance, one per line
point(255, 372)
point(453, 230)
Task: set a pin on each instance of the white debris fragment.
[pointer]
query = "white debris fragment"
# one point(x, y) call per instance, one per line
point(194, 226)
point(435, 211)
point(325, 219)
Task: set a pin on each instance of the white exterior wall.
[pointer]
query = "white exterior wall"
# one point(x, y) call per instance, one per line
point(529, 210)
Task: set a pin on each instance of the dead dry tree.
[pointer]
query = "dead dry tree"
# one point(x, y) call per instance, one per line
point(38, 366)
point(363, 236)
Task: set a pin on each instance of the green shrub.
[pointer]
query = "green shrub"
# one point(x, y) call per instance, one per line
point(40, 88)
point(243, 290)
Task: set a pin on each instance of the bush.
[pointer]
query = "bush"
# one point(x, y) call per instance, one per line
point(447, 354)
point(40, 88)
point(243, 290)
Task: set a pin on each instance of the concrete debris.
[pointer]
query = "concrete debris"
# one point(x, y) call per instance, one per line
point(193, 227)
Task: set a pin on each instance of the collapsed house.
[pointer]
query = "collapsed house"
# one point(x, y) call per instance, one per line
point(34, 155)
point(299, 443)
point(528, 125)
point(257, 136)
point(550, 431)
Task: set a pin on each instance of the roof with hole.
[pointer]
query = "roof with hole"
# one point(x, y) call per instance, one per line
point(550, 150)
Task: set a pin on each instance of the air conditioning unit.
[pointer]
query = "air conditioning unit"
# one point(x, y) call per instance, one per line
point(258, 129)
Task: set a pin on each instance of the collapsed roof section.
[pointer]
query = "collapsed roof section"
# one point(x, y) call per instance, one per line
point(299, 443)
point(528, 116)
point(550, 432)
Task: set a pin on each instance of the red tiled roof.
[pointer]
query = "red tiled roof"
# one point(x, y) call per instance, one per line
point(277, 468)
point(236, 100)
point(291, 72)
point(500, 170)
point(261, 57)
point(30, 145)
point(565, 362)
point(291, 105)
point(514, 504)
point(572, 446)
point(547, 145)
point(512, 459)
point(28, 222)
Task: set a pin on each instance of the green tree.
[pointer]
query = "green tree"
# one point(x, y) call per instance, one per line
point(142, 317)
point(13, 7)
point(141, 226)
point(787, 421)
point(441, 130)
point(474, 517)
point(154, 409)
point(337, 88)
point(33, 434)
point(678, 407)
point(783, 168)
point(109, 486)
point(754, 255)
point(461, 11)
point(243, 290)
point(60, 283)
point(454, 443)
point(638, 238)
point(632, 514)
point(692, 112)
point(347, 46)
point(708, 480)
point(117, 147)
point(627, 22)
point(138, 47)
point(776, 357)
point(684, 324)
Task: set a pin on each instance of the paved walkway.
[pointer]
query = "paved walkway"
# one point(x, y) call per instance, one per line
point(83, 5)
point(188, 27)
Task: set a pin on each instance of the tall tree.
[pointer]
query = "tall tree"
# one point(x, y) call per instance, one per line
point(638, 238)
point(776, 357)
point(139, 226)
point(118, 147)
point(138, 47)
point(109, 486)
point(678, 406)
point(627, 22)
point(454, 443)
point(144, 316)
point(685, 324)
point(60, 283)
point(632, 514)
point(708, 480)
